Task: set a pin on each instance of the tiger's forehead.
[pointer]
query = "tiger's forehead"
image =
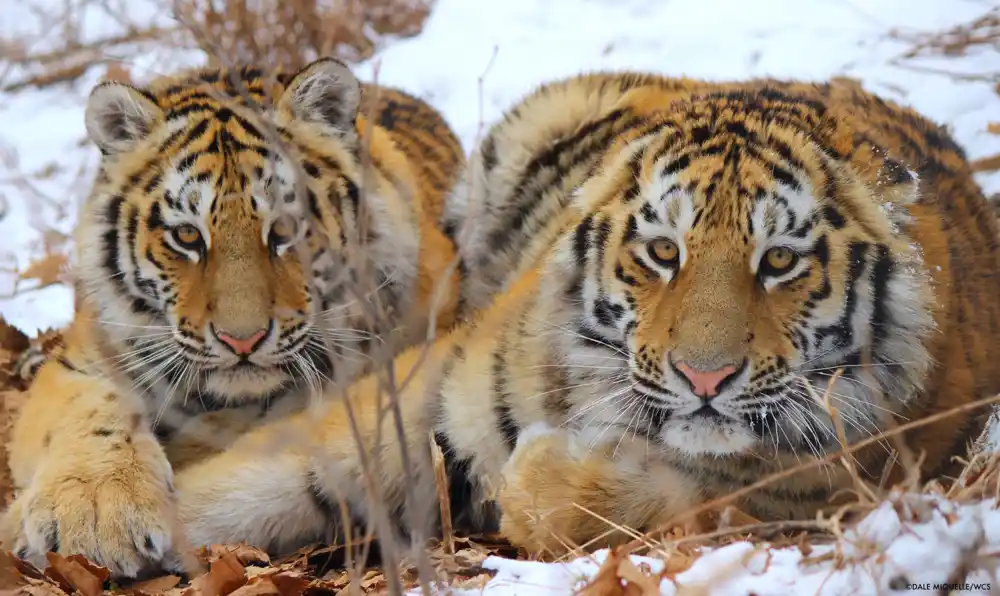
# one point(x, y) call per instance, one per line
point(213, 89)
point(224, 183)
point(725, 198)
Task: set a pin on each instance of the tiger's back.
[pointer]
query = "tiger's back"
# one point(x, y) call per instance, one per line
point(423, 135)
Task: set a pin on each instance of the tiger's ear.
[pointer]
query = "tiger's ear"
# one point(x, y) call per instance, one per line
point(118, 116)
point(325, 92)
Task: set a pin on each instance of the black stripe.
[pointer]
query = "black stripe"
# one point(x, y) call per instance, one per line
point(882, 272)
point(649, 214)
point(501, 408)
point(842, 330)
point(581, 239)
point(623, 277)
point(550, 168)
point(606, 312)
point(110, 242)
point(589, 336)
point(463, 490)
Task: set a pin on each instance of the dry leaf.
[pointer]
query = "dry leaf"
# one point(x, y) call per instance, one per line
point(646, 583)
point(606, 581)
point(993, 127)
point(35, 588)
point(246, 554)
point(10, 575)
point(290, 583)
point(101, 573)
point(72, 575)
point(986, 164)
point(116, 71)
point(678, 563)
point(48, 270)
point(227, 574)
point(157, 585)
point(259, 586)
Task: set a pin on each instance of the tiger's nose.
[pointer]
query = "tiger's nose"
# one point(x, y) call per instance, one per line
point(707, 383)
point(241, 345)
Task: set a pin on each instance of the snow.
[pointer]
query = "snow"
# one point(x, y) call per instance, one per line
point(911, 543)
point(474, 59)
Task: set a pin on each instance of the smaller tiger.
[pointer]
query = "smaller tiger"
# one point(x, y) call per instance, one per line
point(242, 229)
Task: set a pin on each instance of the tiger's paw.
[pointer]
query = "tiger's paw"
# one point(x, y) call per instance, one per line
point(121, 519)
point(539, 489)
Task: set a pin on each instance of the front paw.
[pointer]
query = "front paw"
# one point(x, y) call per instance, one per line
point(537, 492)
point(121, 519)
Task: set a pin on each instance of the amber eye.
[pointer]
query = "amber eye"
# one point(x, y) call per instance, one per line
point(283, 230)
point(778, 261)
point(187, 236)
point(664, 252)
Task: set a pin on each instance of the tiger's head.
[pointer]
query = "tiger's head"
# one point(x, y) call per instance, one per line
point(215, 240)
point(736, 259)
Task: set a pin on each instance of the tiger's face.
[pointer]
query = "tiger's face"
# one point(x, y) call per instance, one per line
point(739, 264)
point(203, 244)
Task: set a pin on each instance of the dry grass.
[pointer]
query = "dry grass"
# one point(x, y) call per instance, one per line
point(290, 33)
point(281, 33)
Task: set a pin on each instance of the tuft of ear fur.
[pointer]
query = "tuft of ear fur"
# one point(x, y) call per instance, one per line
point(325, 92)
point(118, 116)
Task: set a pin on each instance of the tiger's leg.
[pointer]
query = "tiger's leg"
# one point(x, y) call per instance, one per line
point(286, 483)
point(90, 476)
point(561, 491)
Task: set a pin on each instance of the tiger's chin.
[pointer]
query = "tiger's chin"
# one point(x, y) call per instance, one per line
point(698, 435)
point(249, 380)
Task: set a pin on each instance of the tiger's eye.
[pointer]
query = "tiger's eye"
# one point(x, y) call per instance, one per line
point(187, 236)
point(779, 260)
point(664, 252)
point(283, 229)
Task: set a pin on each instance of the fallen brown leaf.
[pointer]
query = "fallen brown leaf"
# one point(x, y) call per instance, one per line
point(156, 586)
point(246, 554)
point(225, 575)
point(48, 270)
point(116, 71)
point(648, 584)
point(608, 582)
point(993, 127)
point(290, 583)
point(986, 164)
point(35, 588)
point(10, 576)
point(72, 575)
point(678, 563)
point(259, 586)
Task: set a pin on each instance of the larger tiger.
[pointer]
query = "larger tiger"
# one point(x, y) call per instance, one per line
point(247, 236)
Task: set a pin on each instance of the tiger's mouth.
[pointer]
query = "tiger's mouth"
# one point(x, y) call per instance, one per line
point(738, 423)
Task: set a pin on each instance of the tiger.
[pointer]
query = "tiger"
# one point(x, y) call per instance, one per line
point(248, 236)
point(665, 271)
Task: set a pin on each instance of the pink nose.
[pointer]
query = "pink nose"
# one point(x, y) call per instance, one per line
point(242, 345)
point(706, 383)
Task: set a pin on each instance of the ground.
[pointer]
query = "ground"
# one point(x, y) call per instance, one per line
point(472, 59)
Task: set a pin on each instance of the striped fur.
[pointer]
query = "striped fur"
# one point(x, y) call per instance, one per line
point(567, 386)
point(229, 204)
